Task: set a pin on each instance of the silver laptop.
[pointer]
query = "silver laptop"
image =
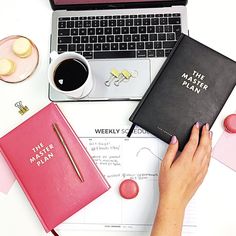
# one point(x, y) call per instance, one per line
point(125, 41)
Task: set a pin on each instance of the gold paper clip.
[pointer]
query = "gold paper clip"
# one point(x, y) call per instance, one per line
point(114, 74)
point(124, 76)
point(22, 109)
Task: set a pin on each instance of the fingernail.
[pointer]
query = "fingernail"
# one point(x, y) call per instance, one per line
point(173, 140)
point(207, 126)
point(211, 134)
point(197, 125)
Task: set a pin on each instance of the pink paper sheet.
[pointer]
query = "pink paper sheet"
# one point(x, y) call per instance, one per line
point(6, 177)
point(225, 150)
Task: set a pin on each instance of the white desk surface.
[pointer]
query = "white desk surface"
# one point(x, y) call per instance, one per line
point(211, 22)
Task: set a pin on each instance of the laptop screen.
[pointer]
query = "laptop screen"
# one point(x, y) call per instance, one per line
point(111, 4)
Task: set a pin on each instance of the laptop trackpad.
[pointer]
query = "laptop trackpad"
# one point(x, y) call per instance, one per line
point(120, 79)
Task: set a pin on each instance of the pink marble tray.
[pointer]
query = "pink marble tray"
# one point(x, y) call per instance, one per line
point(24, 66)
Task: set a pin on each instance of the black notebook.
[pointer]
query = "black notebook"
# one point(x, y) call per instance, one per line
point(193, 85)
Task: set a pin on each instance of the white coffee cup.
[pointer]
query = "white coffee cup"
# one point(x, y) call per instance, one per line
point(56, 61)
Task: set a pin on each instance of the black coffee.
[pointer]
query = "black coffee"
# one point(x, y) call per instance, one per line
point(70, 74)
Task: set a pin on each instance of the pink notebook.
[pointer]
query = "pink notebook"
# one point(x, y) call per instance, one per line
point(40, 162)
point(225, 151)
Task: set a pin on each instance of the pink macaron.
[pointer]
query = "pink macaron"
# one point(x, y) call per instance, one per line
point(230, 123)
point(128, 189)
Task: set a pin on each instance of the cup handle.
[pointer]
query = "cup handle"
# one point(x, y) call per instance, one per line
point(53, 55)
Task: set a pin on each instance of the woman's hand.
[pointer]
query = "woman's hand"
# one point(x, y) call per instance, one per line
point(180, 178)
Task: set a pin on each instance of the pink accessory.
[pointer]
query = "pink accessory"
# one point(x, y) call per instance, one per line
point(230, 123)
point(44, 171)
point(129, 189)
point(25, 67)
point(7, 178)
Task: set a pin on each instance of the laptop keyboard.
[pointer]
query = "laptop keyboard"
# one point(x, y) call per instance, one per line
point(119, 36)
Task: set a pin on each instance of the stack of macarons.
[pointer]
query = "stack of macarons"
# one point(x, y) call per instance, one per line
point(22, 48)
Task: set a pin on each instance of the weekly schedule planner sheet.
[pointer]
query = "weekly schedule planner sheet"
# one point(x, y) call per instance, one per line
point(119, 158)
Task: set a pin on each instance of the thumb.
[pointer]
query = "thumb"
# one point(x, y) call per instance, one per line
point(171, 152)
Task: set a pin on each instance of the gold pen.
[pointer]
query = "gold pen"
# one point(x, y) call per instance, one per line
point(59, 134)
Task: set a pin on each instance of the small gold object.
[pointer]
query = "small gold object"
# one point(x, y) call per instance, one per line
point(114, 74)
point(124, 76)
point(63, 142)
point(22, 109)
